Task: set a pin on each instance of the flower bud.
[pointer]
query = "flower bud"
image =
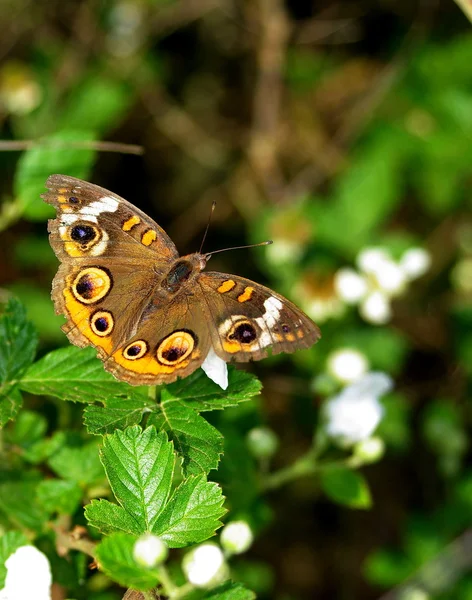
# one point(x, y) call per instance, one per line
point(204, 566)
point(236, 537)
point(150, 550)
point(262, 442)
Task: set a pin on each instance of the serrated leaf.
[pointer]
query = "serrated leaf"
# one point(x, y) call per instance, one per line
point(115, 557)
point(18, 341)
point(192, 514)
point(53, 156)
point(139, 466)
point(346, 487)
point(74, 374)
point(117, 413)
point(197, 442)
point(61, 496)
point(78, 461)
point(9, 543)
point(200, 393)
point(110, 518)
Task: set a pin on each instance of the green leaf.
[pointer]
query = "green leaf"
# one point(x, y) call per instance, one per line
point(28, 428)
point(16, 501)
point(229, 590)
point(367, 194)
point(197, 442)
point(115, 555)
point(345, 487)
point(18, 343)
point(387, 568)
point(110, 518)
point(11, 401)
point(201, 393)
point(78, 461)
point(97, 104)
point(55, 155)
point(40, 309)
point(139, 466)
point(192, 514)
point(61, 496)
point(117, 413)
point(28, 434)
point(9, 543)
point(73, 374)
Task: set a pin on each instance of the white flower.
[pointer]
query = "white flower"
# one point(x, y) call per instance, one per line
point(205, 566)
point(381, 279)
point(353, 414)
point(371, 260)
point(236, 537)
point(391, 278)
point(375, 308)
point(350, 286)
point(28, 575)
point(347, 365)
point(415, 262)
point(216, 369)
point(149, 550)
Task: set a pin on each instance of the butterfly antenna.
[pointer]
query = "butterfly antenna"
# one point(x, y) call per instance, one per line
point(266, 243)
point(208, 226)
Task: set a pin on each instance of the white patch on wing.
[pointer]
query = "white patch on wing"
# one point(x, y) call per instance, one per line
point(269, 319)
point(105, 204)
point(68, 218)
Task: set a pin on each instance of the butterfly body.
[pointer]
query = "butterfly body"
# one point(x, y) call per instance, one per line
point(152, 315)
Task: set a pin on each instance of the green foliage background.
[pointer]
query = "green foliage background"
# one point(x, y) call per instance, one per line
point(328, 127)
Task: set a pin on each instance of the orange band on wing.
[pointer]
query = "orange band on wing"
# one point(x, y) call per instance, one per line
point(80, 317)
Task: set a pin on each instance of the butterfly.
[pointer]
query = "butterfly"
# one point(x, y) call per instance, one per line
point(152, 315)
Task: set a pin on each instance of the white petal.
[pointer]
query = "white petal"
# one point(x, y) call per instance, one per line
point(376, 308)
point(28, 575)
point(415, 262)
point(374, 383)
point(391, 278)
point(371, 260)
point(216, 369)
point(350, 286)
point(347, 365)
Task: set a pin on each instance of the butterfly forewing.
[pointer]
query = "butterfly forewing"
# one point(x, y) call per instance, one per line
point(250, 320)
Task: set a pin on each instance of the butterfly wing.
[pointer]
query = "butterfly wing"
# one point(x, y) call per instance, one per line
point(111, 254)
point(169, 342)
point(248, 320)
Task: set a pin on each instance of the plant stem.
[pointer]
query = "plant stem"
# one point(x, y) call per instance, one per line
point(306, 465)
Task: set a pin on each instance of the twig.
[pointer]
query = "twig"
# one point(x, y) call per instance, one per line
point(263, 147)
point(20, 145)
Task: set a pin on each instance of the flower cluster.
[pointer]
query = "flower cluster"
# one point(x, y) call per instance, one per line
point(353, 415)
point(379, 279)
